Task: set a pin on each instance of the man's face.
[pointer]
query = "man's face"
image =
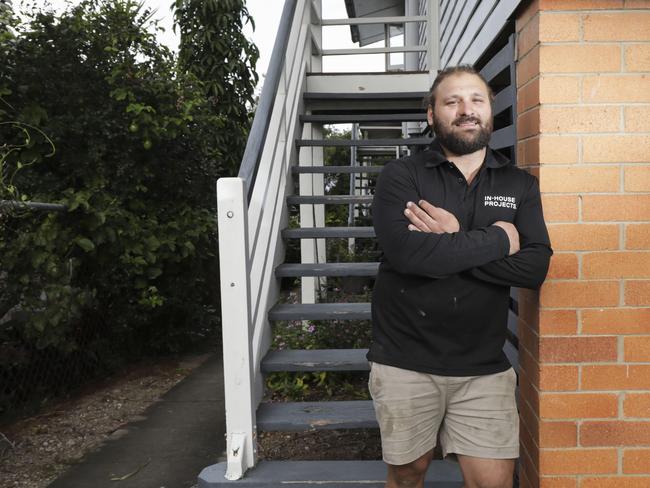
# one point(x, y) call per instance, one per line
point(462, 115)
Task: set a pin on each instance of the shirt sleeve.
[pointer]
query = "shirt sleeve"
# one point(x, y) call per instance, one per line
point(528, 267)
point(421, 253)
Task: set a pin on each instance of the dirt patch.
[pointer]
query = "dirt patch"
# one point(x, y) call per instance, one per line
point(356, 445)
point(35, 451)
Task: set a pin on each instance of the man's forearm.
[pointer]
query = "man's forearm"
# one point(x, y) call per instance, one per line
point(439, 255)
point(525, 269)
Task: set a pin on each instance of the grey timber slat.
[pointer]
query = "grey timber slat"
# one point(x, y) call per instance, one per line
point(300, 416)
point(504, 99)
point(514, 300)
point(414, 141)
point(406, 117)
point(512, 353)
point(336, 169)
point(316, 360)
point(324, 232)
point(489, 30)
point(325, 474)
point(320, 311)
point(328, 199)
point(467, 33)
point(512, 322)
point(498, 63)
point(365, 96)
point(504, 137)
point(327, 269)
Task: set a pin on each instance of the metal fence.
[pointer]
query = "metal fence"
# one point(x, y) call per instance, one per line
point(31, 376)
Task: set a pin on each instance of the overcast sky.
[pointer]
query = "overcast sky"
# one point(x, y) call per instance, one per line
point(266, 14)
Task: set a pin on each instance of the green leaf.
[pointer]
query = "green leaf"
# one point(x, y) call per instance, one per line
point(85, 244)
point(119, 94)
point(154, 272)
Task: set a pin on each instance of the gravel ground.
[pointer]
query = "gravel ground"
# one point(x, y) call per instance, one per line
point(35, 451)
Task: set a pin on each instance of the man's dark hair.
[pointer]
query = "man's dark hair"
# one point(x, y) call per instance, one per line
point(430, 98)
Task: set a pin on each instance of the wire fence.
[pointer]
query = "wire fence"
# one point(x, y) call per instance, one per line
point(30, 376)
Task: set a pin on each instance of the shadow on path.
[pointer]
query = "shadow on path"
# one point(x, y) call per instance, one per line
point(179, 436)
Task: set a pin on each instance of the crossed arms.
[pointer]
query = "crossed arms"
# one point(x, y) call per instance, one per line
point(427, 241)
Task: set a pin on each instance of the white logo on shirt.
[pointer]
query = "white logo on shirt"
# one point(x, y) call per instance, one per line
point(500, 201)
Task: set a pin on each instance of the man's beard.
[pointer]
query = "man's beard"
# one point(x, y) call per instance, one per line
point(461, 144)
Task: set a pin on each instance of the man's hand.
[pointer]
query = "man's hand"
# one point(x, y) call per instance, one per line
point(424, 217)
point(513, 235)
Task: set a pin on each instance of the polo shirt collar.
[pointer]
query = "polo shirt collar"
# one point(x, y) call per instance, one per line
point(435, 156)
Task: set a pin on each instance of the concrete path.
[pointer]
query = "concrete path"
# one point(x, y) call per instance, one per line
point(180, 435)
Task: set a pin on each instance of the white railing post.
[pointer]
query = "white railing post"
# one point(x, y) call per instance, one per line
point(232, 211)
point(411, 37)
point(433, 39)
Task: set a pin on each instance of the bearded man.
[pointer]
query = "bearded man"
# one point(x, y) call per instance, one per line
point(458, 225)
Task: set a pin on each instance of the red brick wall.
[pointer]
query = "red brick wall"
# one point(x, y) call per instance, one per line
point(583, 77)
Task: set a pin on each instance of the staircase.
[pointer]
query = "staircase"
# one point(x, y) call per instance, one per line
point(254, 214)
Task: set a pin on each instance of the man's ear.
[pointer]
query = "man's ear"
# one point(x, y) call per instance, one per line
point(430, 115)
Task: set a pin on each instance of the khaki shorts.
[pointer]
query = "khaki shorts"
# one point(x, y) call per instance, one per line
point(475, 415)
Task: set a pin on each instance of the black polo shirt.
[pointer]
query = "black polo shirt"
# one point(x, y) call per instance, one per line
point(440, 301)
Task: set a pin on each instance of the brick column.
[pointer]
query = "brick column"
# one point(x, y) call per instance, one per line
point(584, 129)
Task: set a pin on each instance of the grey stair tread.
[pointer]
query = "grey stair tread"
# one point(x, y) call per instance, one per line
point(322, 232)
point(512, 353)
point(325, 474)
point(336, 169)
point(327, 269)
point(328, 199)
point(316, 360)
point(347, 118)
point(413, 141)
point(320, 311)
point(300, 416)
point(365, 96)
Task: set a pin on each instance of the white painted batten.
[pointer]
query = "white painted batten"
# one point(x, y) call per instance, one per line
point(375, 20)
point(368, 83)
point(373, 50)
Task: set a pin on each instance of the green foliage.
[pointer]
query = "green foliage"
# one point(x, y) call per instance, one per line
point(214, 49)
point(138, 150)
